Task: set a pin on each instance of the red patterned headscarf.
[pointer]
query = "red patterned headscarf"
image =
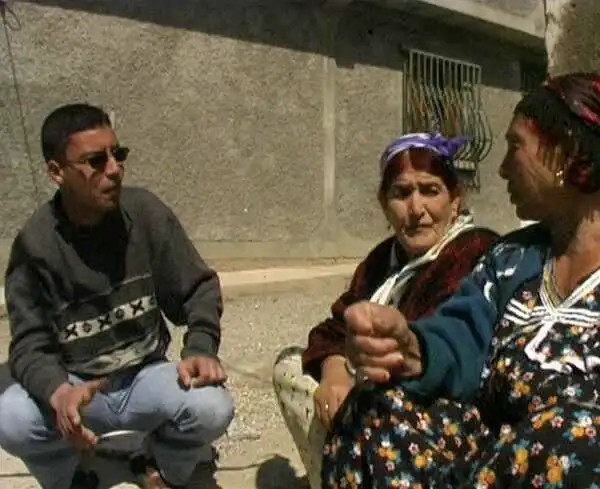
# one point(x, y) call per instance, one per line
point(566, 111)
point(581, 93)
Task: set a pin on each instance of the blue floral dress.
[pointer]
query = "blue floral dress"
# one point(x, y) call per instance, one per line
point(535, 422)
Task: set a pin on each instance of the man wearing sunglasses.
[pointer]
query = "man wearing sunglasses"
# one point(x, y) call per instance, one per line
point(89, 278)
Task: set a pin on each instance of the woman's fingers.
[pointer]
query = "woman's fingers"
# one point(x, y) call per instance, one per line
point(319, 408)
point(366, 351)
point(387, 361)
point(374, 346)
point(327, 404)
point(332, 408)
point(377, 375)
point(358, 318)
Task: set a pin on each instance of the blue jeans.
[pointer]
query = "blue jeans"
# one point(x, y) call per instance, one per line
point(181, 423)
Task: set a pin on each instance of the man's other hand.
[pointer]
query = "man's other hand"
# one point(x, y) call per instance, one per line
point(198, 371)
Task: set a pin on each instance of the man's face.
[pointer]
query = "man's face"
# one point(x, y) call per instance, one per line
point(91, 172)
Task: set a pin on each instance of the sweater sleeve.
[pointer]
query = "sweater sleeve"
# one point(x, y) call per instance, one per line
point(455, 340)
point(34, 356)
point(188, 290)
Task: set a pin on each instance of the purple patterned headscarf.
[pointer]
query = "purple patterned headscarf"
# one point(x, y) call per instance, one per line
point(434, 141)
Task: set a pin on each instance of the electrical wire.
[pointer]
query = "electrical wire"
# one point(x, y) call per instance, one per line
point(10, 22)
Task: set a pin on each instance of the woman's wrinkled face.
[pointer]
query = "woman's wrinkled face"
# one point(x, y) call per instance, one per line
point(418, 205)
point(530, 173)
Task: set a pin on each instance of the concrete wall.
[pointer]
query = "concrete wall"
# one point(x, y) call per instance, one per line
point(578, 46)
point(260, 124)
point(522, 8)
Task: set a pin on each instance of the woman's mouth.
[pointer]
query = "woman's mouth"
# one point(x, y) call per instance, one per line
point(415, 229)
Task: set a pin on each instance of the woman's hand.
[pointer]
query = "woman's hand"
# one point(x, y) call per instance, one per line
point(335, 385)
point(380, 344)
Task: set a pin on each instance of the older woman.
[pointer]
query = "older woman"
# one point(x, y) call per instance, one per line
point(434, 247)
point(519, 342)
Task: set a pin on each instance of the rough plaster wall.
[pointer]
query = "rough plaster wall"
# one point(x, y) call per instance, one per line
point(522, 8)
point(228, 129)
point(369, 116)
point(578, 46)
point(531, 10)
point(492, 204)
point(189, 104)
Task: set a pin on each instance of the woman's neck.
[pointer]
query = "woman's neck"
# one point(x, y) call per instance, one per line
point(576, 250)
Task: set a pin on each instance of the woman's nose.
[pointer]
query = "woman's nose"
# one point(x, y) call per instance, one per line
point(416, 204)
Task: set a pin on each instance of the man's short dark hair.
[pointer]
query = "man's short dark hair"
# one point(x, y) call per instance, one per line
point(65, 121)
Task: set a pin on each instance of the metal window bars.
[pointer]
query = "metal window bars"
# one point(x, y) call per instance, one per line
point(532, 75)
point(443, 94)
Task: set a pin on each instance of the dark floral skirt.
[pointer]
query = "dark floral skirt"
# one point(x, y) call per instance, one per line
point(387, 440)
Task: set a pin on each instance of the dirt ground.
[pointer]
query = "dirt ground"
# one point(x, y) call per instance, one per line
point(229, 265)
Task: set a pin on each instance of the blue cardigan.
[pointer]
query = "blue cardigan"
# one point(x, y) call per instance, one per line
point(456, 339)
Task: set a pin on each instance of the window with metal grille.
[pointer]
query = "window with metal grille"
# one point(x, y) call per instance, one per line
point(443, 94)
point(532, 75)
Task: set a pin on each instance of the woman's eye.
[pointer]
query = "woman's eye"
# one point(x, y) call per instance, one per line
point(399, 192)
point(430, 190)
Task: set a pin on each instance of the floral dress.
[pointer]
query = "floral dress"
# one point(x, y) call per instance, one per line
point(535, 422)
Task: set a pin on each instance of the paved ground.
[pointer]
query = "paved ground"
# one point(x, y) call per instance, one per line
point(259, 321)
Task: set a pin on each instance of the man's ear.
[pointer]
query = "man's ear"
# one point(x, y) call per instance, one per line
point(55, 171)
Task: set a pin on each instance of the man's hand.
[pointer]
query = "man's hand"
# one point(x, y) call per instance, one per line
point(199, 371)
point(67, 402)
point(379, 342)
point(333, 389)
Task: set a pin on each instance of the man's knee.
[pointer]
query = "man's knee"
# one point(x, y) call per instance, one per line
point(20, 420)
point(209, 409)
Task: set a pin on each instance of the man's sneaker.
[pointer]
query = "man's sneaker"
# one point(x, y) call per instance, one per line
point(85, 480)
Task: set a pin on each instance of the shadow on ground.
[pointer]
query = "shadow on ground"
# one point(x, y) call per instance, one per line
point(278, 473)
point(5, 378)
point(113, 472)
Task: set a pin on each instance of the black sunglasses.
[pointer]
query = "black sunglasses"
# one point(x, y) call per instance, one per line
point(98, 161)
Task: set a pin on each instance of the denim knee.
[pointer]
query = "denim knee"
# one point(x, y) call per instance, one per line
point(21, 421)
point(209, 409)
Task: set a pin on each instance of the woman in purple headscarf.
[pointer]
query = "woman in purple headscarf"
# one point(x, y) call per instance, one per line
point(434, 246)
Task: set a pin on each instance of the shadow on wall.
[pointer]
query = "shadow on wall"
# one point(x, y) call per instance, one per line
point(250, 21)
point(368, 34)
